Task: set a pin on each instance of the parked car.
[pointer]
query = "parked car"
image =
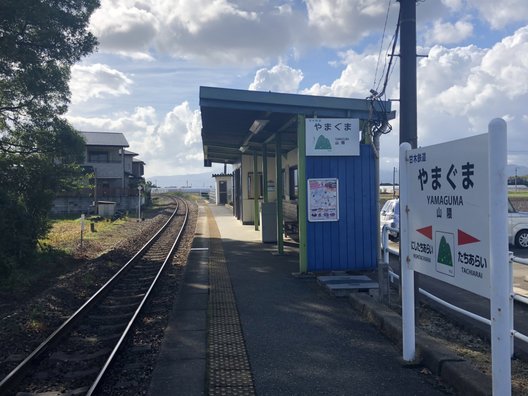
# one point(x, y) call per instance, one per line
point(517, 223)
point(390, 215)
point(517, 227)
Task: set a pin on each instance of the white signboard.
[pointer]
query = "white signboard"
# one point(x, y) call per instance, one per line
point(332, 136)
point(323, 200)
point(448, 201)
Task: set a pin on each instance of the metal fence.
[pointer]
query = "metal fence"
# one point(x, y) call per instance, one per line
point(513, 296)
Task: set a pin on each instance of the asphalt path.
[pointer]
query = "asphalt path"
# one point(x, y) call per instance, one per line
point(474, 303)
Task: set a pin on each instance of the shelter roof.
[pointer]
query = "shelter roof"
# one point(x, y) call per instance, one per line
point(228, 115)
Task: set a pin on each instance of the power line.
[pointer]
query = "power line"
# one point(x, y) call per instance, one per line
point(391, 58)
point(381, 46)
point(378, 118)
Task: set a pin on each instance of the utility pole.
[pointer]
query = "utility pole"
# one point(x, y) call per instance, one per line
point(408, 133)
point(408, 128)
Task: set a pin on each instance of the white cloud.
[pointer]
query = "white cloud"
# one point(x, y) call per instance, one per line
point(501, 13)
point(97, 81)
point(280, 78)
point(449, 33)
point(124, 28)
point(454, 5)
point(344, 22)
point(462, 89)
point(356, 79)
point(211, 31)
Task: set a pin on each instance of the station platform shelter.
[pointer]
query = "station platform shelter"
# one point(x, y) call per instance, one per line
point(303, 165)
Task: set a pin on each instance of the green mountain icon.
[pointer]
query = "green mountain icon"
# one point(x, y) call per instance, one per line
point(323, 143)
point(444, 253)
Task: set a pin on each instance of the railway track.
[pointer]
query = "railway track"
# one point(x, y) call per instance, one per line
point(76, 356)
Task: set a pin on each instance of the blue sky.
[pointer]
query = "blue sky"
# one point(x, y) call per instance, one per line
point(154, 55)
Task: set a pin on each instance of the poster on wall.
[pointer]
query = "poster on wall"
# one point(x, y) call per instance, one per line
point(323, 200)
point(332, 136)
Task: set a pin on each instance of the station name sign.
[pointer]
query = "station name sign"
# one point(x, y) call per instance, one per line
point(448, 202)
point(332, 137)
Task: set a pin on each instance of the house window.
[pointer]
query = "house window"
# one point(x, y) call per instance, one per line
point(250, 185)
point(97, 156)
point(293, 183)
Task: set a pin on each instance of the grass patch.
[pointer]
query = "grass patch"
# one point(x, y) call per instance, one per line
point(518, 194)
point(55, 256)
point(65, 234)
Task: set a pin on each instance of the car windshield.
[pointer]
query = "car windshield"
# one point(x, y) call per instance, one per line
point(511, 209)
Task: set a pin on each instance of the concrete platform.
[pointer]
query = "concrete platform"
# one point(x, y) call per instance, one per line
point(270, 333)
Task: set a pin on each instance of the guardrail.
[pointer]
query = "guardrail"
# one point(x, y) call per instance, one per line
point(513, 296)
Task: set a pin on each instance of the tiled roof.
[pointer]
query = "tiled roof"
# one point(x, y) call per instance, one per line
point(115, 139)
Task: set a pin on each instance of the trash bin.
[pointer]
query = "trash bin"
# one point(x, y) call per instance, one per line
point(268, 221)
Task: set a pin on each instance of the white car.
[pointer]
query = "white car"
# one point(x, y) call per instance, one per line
point(390, 215)
point(517, 223)
point(517, 227)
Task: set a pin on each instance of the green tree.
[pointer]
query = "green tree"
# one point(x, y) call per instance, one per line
point(39, 42)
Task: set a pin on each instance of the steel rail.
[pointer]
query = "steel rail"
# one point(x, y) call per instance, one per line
point(49, 342)
point(118, 345)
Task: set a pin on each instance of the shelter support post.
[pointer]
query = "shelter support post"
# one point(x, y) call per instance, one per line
point(255, 191)
point(301, 199)
point(280, 193)
point(265, 172)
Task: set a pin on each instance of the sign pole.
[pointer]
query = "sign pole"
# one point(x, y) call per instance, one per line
point(500, 292)
point(407, 274)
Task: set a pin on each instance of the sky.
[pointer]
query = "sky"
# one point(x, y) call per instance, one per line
point(153, 56)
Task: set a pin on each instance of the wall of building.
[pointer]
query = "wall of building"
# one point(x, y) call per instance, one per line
point(229, 188)
point(289, 160)
point(350, 243)
point(114, 168)
point(69, 205)
point(128, 164)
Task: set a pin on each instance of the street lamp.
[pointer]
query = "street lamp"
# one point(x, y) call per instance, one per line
point(140, 188)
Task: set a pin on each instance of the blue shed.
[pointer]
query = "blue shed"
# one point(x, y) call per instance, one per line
point(350, 242)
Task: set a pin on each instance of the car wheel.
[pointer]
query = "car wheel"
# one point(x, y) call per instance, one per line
point(521, 239)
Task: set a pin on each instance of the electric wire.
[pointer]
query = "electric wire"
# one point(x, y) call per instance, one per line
point(378, 118)
point(391, 58)
point(381, 46)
